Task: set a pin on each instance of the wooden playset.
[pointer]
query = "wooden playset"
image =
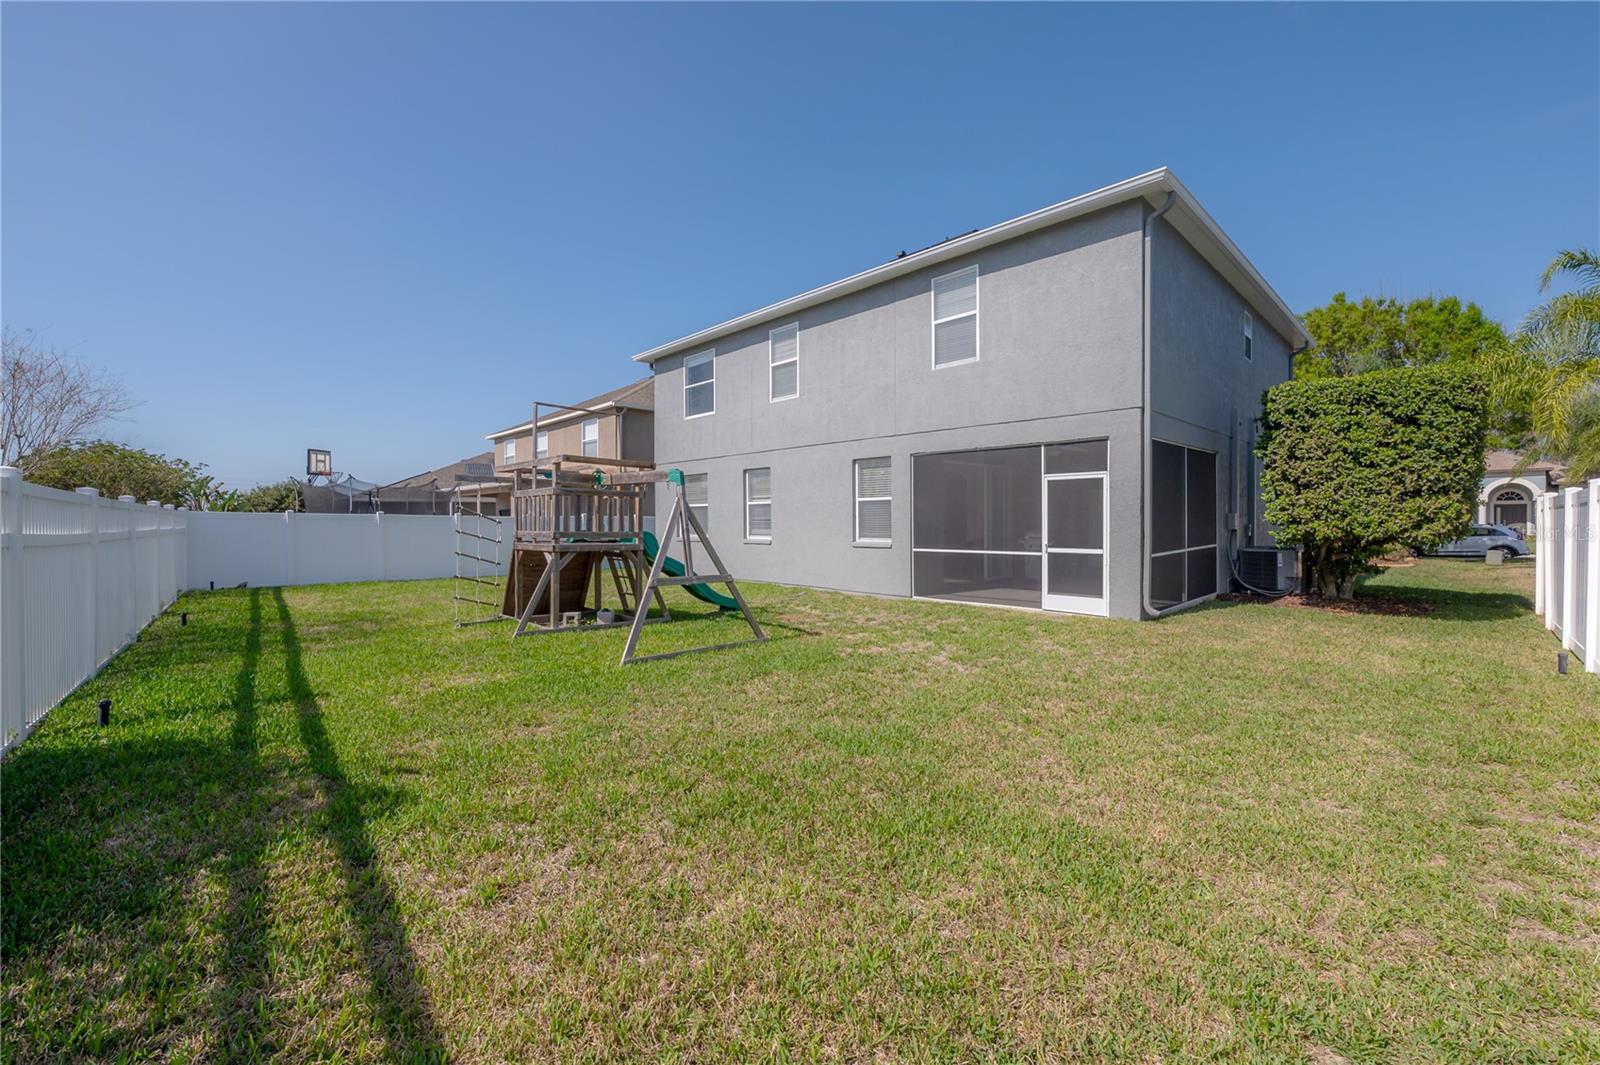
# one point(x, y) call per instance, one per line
point(579, 524)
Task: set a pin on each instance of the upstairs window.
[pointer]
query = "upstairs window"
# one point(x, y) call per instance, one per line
point(697, 496)
point(955, 318)
point(758, 504)
point(508, 450)
point(783, 347)
point(699, 385)
point(873, 501)
point(1249, 337)
point(541, 445)
point(591, 436)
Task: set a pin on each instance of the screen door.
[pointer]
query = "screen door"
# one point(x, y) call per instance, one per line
point(1075, 543)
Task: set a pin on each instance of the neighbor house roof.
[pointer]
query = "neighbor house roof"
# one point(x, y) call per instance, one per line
point(639, 395)
point(1186, 215)
point(465, 471)
point(1497, 460)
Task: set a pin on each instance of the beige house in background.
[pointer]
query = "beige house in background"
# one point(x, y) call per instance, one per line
point(1511, 483)
point(619, 424)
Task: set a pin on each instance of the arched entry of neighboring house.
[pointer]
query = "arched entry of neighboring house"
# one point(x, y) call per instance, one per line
point(1510, 506)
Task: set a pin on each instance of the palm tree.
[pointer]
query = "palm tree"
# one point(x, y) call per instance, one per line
point(1577, 311)
point(1552, 367)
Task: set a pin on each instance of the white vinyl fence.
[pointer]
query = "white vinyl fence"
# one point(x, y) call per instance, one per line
point(1567, 570)
point(263, 550)
point(81, 575)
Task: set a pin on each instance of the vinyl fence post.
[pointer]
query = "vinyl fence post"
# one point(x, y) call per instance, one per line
point(383, 544)
point(180, 568)
point(91, 614)
point(11, 627)
point(1569, 564)
point(288, 547)
point(1541, 556)
point(129, 606)
point(1591, 594)
point(1551, 539)
point(169, 554)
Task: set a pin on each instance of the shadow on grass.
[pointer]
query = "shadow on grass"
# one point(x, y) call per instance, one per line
point(98, 828)
point(102, 831)
point(403, 1006)
point(1449, 604)
point(240, 996)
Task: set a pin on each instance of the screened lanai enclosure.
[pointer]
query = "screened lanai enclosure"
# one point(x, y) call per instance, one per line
point(1183, 524)
point(1030, 526)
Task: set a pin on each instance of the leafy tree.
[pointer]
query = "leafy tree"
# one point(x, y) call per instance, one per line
point(117, 470)
point(1356, 466)
point(1382, 334)
point(1349, 338)
point(270, 498)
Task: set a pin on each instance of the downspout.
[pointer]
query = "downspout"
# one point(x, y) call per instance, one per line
point(1145, 444)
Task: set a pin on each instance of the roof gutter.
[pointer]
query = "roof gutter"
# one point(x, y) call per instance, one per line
point(1146, 443)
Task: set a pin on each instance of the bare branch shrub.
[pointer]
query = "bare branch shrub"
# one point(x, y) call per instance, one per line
point(47, 400)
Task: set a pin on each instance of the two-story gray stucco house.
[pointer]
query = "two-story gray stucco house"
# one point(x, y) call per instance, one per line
point(1054, 412)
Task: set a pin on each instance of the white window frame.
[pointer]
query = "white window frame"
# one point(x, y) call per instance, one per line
point(1249, 337)
point(584, 439)
point(749, 502)
point(933, 308)
point(709, 355)
point(508, 450)
point(541, 444)
point(773, 364)
point(855, 472)
point(704, 507)
point(705, 518)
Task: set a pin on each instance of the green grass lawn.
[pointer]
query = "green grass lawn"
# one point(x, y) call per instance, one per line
point(324, 824)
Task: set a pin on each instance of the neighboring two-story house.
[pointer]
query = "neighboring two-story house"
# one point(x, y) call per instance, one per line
point(1057, 411)
point(615, 424)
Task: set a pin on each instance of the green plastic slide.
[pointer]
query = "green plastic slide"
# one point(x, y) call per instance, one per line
point(673, 568)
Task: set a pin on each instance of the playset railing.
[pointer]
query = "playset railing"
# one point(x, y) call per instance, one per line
point(551, 501)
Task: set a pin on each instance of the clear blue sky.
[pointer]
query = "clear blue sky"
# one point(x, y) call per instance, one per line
point(385, 229)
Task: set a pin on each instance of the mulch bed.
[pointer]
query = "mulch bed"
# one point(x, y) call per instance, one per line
point(1361, 604)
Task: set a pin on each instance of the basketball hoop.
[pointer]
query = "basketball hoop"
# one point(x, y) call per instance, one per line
point(319, 463)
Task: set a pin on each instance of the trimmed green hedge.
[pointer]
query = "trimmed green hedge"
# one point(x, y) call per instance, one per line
point(1356, 466)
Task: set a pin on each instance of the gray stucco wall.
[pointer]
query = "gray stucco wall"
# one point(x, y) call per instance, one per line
point(638, 435)
point(1059, 342)
point(1202, 388)
point(813, 504)
point(1060, 327)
